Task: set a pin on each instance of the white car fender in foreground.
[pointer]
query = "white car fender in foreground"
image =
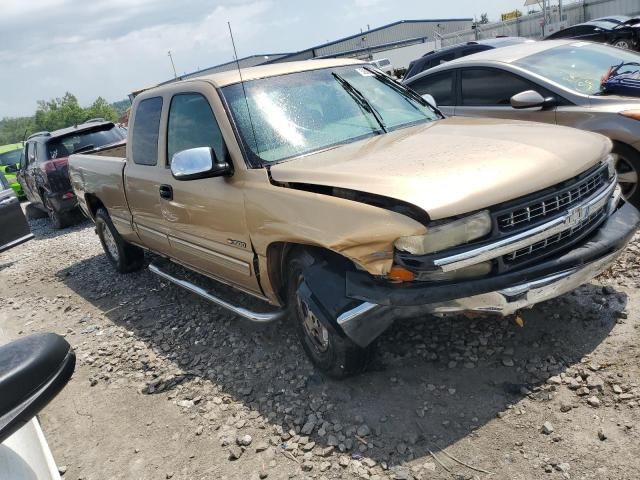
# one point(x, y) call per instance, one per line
point(25, 455)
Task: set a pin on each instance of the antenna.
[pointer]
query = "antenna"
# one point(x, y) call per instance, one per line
point(175, 75)
point(244, 91)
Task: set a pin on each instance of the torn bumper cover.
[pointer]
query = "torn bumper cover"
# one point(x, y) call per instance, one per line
point(362, 306)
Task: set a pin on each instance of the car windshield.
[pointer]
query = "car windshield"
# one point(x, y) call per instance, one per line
point(299, 113)
point(10, 158)
point(579, 66)
point(84, 140)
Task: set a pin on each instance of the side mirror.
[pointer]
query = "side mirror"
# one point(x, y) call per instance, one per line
point(33, 370)
point(430, 100)
point(530, 99)
point(199, 162)
point(11, 169)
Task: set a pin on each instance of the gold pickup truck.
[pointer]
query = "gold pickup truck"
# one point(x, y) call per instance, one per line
point(344, 199)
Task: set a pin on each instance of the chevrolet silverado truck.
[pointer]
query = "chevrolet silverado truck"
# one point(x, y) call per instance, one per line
point(346, 201)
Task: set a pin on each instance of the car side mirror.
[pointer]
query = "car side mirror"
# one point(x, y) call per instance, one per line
point(430, 100)
point(33, 370)
point(530, 99)
point(199, 162)
point(11, 169)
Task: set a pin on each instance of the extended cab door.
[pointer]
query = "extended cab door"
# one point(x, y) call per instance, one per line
point(144, 175)
point(205, 217)
point(14, 228)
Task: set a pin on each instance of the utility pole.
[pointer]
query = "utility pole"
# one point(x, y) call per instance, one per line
point(175, 75)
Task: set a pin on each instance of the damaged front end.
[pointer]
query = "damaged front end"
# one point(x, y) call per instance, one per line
point(539, 247)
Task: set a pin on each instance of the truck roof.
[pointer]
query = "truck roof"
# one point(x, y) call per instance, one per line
point(230, 77)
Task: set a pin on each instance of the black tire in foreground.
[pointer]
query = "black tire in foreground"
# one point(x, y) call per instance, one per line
point(123, 256)
point(628, 168)
point(332, 353)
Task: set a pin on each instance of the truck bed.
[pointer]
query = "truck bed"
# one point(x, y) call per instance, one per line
point(97, 179)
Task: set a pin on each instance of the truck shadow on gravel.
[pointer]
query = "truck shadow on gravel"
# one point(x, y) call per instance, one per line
point(434, 380)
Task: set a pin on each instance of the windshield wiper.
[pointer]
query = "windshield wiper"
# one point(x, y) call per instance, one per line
point(400, 88)
point(360, 99)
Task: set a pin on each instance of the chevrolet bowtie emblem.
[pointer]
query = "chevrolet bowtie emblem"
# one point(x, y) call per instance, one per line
point(577, 215)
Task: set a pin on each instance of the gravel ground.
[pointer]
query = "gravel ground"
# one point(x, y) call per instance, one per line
point(168, 386)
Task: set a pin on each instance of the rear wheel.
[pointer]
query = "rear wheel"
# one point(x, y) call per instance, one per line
point(622, 44)
point(58, 219)
point(628, 168)
point(330, 352)
point(123, 256)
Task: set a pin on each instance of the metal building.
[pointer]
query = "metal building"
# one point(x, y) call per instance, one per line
point(403, 40)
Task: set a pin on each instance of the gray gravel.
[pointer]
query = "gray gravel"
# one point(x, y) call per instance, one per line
point(482, 390)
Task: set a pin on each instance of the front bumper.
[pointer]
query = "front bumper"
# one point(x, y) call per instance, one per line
point(369, 305)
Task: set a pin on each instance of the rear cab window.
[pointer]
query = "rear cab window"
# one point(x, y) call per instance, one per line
point(84, 140)
point(146, 129)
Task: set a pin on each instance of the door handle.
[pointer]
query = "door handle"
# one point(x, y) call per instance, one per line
point(166, 192)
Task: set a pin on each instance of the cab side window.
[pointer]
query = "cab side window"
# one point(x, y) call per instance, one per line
point(31, 154)
point(192, 124)
point(146, 127)
point(439, 86)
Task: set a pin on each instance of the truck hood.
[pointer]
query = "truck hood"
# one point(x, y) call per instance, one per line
point(453, 166)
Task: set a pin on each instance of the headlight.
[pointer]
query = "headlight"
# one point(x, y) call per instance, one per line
point(446, 235)
point(611, 164)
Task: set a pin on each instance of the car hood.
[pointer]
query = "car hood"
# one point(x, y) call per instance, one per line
point(453, 166)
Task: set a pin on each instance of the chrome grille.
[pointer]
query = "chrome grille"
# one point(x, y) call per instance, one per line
point(557, 241)
point(539, 209)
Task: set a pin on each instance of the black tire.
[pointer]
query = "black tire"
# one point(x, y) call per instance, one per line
point(628, 167)
point(34, 213)
point(339, 357)
point(58, 220)
point(124, 257)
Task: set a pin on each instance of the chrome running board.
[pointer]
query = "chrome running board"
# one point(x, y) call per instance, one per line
point(243, 312)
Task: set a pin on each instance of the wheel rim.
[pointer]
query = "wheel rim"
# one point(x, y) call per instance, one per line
point(622, 44)
point(109, 242)
point(627, 177)
point(313, 328)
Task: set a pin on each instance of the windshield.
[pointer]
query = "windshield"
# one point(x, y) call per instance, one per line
point(87, 140)
point(579, 66)
point(10, 158)
point(298, 113)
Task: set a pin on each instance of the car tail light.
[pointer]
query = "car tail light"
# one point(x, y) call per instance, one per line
point(55, 164)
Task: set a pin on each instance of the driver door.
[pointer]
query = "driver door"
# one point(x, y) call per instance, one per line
point(487, 92)
point(14, 228)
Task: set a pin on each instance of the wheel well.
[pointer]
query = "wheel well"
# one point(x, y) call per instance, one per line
point(93, 204)
point(278, 254)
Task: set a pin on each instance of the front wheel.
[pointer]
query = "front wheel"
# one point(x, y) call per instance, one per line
point(628, 168)
point(123, 256)
point(331, 352)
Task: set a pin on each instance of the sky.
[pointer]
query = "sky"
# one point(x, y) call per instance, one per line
point(109, 48)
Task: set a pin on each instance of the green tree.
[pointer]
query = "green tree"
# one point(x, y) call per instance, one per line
point(14, 130)
point(59, 113)
point(101, 109)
